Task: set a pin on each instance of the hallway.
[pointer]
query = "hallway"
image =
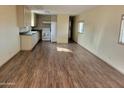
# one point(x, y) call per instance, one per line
point(58, 65)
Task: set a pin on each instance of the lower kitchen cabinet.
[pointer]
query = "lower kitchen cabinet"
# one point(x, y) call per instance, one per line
point(29, 40)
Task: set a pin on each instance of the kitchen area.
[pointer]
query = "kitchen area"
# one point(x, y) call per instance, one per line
point(35, 27)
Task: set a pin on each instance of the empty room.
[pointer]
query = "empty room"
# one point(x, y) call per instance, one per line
point(61, 46)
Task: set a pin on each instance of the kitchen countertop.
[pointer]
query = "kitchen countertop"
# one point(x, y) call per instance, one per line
point(36, 30)
point(29, 33)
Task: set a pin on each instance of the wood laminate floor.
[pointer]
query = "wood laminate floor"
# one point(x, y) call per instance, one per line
point(58, 65)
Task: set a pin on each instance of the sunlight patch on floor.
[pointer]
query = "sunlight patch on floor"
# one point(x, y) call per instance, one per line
point(61, 49)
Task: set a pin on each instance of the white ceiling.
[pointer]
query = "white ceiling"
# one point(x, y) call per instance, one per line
point(60, 9)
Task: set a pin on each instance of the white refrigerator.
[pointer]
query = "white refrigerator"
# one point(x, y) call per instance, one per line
point(53, 31)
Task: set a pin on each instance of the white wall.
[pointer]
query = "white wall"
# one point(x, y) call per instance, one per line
point(9, 34)
point(62, 28)
point(102, 26)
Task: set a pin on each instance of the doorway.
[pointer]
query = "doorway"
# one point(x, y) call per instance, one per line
point(71, 28)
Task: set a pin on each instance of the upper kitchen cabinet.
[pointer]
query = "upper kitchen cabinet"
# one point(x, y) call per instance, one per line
point(23, 16)
point(33, 19)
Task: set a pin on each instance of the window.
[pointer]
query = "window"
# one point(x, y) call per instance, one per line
point(121, 39)
point(81, 27)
